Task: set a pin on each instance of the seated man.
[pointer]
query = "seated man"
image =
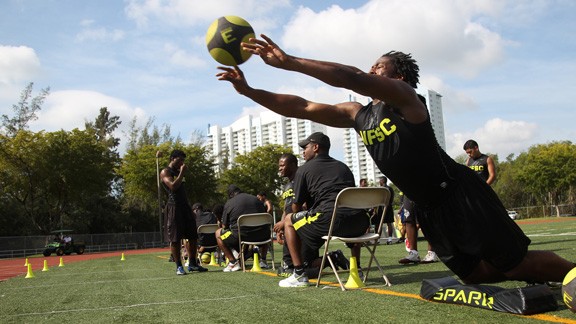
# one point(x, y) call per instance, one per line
point(203, 218)
point(317, 183)
point(238, 204)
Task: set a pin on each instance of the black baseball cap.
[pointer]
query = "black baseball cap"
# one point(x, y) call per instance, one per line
point(318, 137)
point(232, 189)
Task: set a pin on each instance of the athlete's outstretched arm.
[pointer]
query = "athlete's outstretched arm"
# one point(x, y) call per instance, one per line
point(395, 92)
point(339, 115)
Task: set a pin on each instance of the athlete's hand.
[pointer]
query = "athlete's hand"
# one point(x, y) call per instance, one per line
point(235, 76)
point(268, 51)
point(279, 227)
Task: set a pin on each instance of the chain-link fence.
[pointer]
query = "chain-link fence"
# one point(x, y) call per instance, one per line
point(545, 211)
point(21, 246)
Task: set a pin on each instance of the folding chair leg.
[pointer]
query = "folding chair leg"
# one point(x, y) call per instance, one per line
point(373, 257)
point(333, 267)
point(324, 255)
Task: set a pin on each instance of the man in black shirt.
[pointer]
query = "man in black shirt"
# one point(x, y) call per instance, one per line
point(204, 217)
point(316, 184)
point(180, 223)
point(456, 209)
point(238, 204)
point(480, 163)
point(287, 167)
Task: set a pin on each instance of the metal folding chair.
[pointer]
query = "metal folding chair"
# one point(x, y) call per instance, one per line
point(358, 198)
point(255, 220)
point(207, 229)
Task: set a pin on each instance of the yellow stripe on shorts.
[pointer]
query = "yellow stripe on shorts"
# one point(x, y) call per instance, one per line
point(306, 220)
point(225, 235)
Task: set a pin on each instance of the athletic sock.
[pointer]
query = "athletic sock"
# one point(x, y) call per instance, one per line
point(299, 270)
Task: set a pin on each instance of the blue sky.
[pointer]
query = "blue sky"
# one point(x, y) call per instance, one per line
point(506, 69)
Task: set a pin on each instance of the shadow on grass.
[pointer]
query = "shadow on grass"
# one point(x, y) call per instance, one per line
point(408, 276)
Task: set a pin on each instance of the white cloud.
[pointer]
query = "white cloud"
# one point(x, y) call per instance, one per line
point(453, 100)
point(181, 57)
point(442, 35)
point(496, 136)
point(18, 63)
point(100, 34)
point(71, 109)
point(196, 12)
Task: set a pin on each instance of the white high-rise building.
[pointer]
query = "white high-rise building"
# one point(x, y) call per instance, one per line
point(249, 132)
point(359, 160)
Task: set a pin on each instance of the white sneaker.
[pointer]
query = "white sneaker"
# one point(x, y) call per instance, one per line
point(294, 281)
point(180, 271)
point(231, 267)
point(412, 257)
point(263, 265)
point(431, 257)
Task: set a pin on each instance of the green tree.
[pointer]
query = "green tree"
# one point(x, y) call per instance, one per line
point(25, 111)
point(149, 134)
point(103, 128)
point(140, 179)
point(51, 175)
point(256, 171)
point(548, 172)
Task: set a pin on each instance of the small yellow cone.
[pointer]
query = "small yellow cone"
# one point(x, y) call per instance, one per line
point(354, 281)
point(45, 266)
point(30, 274)
point(213, 260)
point(123, 258)
point(61, 262)
point(26, 263)
point(256, 266)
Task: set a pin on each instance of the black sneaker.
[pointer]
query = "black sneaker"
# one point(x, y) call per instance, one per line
point(339, 260)
point(198, 268)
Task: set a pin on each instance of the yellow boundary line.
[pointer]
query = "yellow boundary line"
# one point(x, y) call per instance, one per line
point(379, 291)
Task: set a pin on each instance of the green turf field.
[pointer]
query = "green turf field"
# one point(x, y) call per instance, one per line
point(145, 289)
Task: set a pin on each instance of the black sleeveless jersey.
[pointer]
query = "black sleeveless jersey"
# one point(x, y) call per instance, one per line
point(479, 166)
point(408, 154)
point(177, 197)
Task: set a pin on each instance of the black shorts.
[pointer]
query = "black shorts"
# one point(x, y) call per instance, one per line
point(311, 228)
point(180, 223)
point(472, 225)
point(207, 239)
point(256, 233)
point(407, 212)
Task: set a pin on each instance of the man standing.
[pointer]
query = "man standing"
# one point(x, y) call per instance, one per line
point(455, 207)
point(389, 215)
point(180, 222)
point(316, 184)
point(238, 204)
point(480, 163)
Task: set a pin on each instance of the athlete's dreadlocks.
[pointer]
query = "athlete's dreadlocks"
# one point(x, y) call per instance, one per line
point(405, 66)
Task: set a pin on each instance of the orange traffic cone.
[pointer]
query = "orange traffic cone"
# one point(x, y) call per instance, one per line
point(30, 274)
point(354, 281)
